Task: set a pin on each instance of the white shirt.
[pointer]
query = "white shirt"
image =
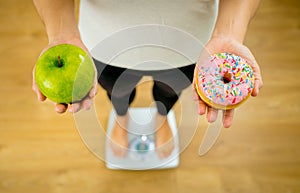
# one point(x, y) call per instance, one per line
point(147, 34)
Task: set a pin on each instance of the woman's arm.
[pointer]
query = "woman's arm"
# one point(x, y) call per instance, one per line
point(234, 17)
point(228, 36)
point(59, 19)
point(61, 27)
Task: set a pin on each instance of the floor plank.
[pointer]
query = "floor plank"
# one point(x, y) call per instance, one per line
point(41, 151)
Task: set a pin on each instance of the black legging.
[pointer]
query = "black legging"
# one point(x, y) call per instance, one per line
point(120, 84)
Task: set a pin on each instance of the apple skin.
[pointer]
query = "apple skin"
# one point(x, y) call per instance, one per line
point(65, 73)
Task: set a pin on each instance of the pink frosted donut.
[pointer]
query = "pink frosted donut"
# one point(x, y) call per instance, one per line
point(224, 81)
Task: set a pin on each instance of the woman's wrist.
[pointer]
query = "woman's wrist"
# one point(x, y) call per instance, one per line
point(226, 38)
point(231, 27)
point(228, 33)
point(63, 37)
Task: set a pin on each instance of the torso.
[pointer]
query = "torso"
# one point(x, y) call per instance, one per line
point(100, 19)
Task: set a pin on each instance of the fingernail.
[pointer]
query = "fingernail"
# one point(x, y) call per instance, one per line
point(71, 110)
point(202, 111)
point(226, 124)
point(88, 105)
point(39, 97)
point(211, 118)
point(92, 94)
point(58, 110)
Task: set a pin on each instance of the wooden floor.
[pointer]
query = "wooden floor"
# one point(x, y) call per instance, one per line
point(41, 151)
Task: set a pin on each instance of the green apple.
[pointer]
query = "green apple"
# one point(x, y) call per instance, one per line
point(65, 73)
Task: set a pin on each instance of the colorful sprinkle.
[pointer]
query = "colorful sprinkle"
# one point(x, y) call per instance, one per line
point(211, 74)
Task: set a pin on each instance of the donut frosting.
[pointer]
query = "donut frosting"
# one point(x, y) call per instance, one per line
point(224, 80)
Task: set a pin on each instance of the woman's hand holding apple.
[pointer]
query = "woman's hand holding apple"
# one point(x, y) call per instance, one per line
point(76, 106)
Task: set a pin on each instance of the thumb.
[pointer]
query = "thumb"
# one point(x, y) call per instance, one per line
point(35, 88)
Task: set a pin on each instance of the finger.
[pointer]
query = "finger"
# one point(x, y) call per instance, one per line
point(201, 107)
point(35, 88)
point(40, 96)
point(61, 108)
point(86, 104)
point(211, 114)
point(195, 94)
point(257, 86)
point(93, 92)
point(256, 89)
point(258, 83)
point(227, 118)
point(74, 108)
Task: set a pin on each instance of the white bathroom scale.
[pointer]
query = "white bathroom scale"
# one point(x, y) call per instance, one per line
point(141, 154)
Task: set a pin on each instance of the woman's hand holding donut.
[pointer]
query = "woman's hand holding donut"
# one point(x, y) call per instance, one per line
point(219, 45)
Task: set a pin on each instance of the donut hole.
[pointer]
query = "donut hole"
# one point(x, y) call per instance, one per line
point(226, 78)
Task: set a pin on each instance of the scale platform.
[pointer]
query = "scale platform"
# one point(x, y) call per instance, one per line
point(141, 154)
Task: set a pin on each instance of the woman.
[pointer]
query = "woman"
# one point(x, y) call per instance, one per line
point(220, 26)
